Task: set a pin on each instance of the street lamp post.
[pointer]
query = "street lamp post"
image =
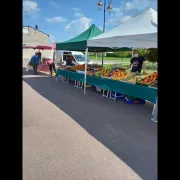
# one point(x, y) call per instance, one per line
point(109, 8)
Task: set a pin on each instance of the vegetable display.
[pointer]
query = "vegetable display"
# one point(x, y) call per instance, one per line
point(149, 79)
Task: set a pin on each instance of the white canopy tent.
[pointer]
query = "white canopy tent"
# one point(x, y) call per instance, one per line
point(138, 32)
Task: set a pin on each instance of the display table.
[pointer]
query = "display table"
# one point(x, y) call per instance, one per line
point(142, 92)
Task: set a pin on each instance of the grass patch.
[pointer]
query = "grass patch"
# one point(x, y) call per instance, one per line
point(109, 59)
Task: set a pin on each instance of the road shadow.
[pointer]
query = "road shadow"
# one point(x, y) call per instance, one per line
point(124, 129)
point(30, 72)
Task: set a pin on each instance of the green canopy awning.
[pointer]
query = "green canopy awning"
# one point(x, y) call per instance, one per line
point(79, 43)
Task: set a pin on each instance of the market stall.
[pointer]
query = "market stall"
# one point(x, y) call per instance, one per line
point(139, 32)
point(115, 79)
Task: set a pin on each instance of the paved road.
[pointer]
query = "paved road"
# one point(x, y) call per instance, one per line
point(69, 136)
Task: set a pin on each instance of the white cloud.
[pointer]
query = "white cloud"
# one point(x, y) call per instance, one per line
point(130, 9)
point(79, 25)
point(76, 9)
point(58, 19)
point(115, 9)
point(128, 5)
point(53, 3)
point(78, 14)
point(125, 18)
point(30, 8)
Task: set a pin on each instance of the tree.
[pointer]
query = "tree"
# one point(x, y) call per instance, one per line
point(152, 55)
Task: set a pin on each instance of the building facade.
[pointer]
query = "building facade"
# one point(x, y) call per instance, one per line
point(32, 37)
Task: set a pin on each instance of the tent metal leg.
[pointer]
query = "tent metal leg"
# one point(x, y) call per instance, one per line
point(66, 80)
point(113, 98)
point(85, 72)
point(75, 83)
point(58, 78)
point(105, 94)
point(79, 85)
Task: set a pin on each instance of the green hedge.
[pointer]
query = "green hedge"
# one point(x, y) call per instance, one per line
point(150, 55)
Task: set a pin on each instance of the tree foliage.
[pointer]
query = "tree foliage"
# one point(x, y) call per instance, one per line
point(152, 55)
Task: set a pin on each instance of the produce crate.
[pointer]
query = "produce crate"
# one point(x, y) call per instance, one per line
point(134, 101)
point(141, 84)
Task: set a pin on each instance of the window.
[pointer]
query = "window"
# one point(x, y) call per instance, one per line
point(80, 58)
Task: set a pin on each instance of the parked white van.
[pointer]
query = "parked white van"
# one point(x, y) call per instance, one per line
point(78, 58)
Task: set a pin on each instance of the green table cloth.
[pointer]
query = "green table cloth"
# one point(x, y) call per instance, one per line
point(146, 93)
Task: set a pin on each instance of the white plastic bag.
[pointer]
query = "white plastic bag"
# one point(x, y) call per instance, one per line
point(27, 68)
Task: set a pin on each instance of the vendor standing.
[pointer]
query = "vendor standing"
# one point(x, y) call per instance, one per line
point(137, 63)
point(69, 61)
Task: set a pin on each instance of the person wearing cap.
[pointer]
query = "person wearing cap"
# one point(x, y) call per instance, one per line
point(137, 63)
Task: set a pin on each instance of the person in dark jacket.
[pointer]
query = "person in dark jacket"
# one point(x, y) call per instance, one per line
point(137, 63)
point(34, 62)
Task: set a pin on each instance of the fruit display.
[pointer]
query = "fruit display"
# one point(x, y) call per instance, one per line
point(134, 80)
point(149, 79)
point(78, 67)
point(91, 73)
point(99, 74)
point(119, 75)
point(69, 68)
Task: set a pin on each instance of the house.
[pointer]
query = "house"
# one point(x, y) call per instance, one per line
point(32, 37)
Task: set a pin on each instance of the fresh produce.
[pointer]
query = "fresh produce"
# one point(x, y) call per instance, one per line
point(119, 75)
point(150, 79)
point(79, 67)
point(69, 68)
point(134, 79)
point(99, 73)
point(91, 73)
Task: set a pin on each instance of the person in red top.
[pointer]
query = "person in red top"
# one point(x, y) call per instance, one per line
point(51, 65)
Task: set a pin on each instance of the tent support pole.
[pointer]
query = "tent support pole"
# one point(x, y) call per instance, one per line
point(85, 71)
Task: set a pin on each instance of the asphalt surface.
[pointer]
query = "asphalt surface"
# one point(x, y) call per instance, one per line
point(71, 136)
